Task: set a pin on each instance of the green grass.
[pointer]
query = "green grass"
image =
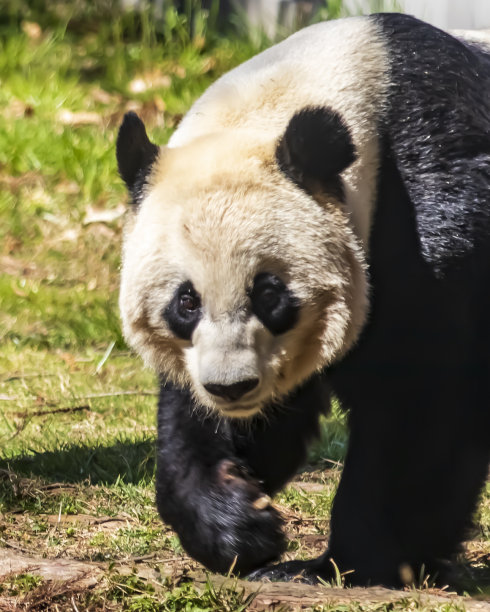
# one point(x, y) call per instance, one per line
point(77, 420)
point(77, 409)
point(63, 96)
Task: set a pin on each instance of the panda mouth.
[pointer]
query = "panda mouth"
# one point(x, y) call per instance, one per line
point(246, 406)
point(235, 411)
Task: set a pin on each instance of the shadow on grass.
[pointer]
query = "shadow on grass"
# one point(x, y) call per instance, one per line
point(126, 460)
point(133, 462)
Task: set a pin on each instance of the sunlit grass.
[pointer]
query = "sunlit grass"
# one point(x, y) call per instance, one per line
point(77, 409)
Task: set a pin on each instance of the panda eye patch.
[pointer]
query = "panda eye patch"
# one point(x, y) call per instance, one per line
point(273, 303)
point(184, 311)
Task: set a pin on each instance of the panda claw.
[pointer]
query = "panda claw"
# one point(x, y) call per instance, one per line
point(262, 503)
point(228, 471)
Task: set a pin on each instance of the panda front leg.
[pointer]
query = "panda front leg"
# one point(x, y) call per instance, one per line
point(205, 491)
point(274, 448)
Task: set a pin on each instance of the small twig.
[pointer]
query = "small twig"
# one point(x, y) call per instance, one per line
point(11, 398)
point(25, 415)
point(115, 394)
point(22, 376)
point(306, 519)
point(137, 559)
point(110, 519)
point(149, 556)
point(19, 428)
point(332, 462)
point(56, 485)
point(10, 544)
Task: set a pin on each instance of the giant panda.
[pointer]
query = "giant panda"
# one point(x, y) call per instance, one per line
point(319, 225)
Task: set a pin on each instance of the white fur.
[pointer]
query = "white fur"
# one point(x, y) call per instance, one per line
point(219, 211)
point(479, 37)
point(342, 64)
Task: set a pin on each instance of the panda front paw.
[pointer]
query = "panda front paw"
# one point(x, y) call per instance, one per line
point(234, 477)
point(250, 527)
point(234, 525)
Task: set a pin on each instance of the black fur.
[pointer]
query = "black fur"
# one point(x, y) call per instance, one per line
point(135, 155)
point(418, 388)
point(210, 472)
point(273, 303)
point(315, 148)
point(438, 129)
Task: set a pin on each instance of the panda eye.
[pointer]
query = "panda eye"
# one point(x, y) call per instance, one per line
point(189, 302)
point(269, 298)
point(184, 311)
point(273, 303)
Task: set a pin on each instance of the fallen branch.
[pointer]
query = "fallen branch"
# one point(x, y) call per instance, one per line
point(268, 595)
point(83, 575)
point(298, 596)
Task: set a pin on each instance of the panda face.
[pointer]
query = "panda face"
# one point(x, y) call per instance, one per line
point(239, 285)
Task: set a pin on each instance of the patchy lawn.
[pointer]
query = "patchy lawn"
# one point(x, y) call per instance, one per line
point(78, 525)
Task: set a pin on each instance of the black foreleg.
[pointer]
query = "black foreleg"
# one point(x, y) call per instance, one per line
point(206, 493)
point(276, 445)
point(214, 475)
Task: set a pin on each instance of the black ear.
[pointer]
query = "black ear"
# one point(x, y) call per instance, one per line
point(135, 154)
point(315, 148)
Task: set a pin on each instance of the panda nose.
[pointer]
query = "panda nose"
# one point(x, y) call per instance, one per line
point(234, 391)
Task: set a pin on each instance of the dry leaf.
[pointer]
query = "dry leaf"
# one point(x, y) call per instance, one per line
point(180, 71)
point(18, 292)
point(70, 235)
point(159, 104)
point(39, 195)
point(67, 187)
point(32, 30)
point(16, 109)
point(208, 64)
point(103, 215)
point(102, 96)
point(101, 231)
point(67, 117)
point(15, 267)
point(69, 359)
point(149, 80)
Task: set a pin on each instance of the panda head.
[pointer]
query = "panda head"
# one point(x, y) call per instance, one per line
point(241, 275)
